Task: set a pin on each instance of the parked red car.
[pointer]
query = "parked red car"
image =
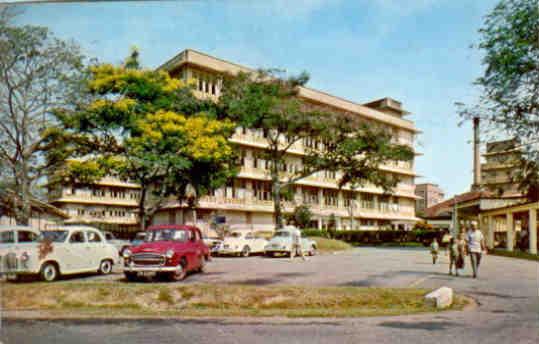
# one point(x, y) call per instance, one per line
point(169, 251)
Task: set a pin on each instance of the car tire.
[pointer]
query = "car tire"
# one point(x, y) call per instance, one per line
point(178, 276)
point(131, 276)
point(246, 251)
point(105, 267)
point(203, 262)
point(49, 272)
point(312, 251)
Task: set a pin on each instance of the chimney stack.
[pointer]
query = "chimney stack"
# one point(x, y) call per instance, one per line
point(477, 155)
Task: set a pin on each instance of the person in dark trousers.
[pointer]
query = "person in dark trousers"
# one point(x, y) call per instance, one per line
point(476, 246)
point(434, 250)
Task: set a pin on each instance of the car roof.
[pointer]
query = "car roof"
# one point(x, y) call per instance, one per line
point(18, 228)
point(178, 227)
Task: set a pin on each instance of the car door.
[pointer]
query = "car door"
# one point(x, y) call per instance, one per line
point(76, 251)
point(96, 244)
point(250, 240)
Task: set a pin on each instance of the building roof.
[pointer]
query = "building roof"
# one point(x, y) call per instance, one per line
point(193, 57)
point(6, 198)
point(441, 209)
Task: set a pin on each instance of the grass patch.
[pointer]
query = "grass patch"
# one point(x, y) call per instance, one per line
point(165, 296)
point(86, 299)
point(330, 245)
point(515, 254)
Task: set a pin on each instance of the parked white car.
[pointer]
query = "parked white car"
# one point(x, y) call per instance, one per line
point(15, 239)
point(242, 243)
point(63, 250)
point(281, 243)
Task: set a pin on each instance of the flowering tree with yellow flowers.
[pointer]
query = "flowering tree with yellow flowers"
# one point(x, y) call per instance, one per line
point(146, 127)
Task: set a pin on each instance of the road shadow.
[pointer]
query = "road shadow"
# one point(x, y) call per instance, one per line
point(420, 325)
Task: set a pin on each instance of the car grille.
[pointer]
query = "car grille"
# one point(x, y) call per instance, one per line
point(9, 262)
point(148, 259)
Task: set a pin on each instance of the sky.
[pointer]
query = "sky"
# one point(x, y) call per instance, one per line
point(415, 51)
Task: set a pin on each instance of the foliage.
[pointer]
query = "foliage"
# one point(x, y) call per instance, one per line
point(509, 101)
point(268, 102)
point(301, 217)
point(38, 73)
point(388, 236)
point(146, 127)
point(422, 225)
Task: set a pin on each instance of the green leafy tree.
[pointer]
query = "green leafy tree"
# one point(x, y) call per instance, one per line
point(146, 127)
point(302, 216)
point(38, 73)
point(509, 101)
point(268, 102)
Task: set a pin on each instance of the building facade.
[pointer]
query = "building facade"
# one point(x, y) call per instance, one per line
point(501, 166)
point(429, 194)
point(246, 201)
point(110, 204)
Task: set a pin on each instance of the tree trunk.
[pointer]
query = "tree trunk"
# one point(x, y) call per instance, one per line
point(141, 209)
point(23, 209)
point(277, 212)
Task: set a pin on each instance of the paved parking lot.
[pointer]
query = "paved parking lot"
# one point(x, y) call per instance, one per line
point(506, 291)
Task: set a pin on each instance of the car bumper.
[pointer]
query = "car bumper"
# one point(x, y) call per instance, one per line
point(138, 268)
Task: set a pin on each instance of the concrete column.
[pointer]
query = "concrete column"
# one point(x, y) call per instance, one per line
point(338, 222)
point(510, 231)
point(340, 199)
point(320, 197)
point(320, 223)
point(533, 231)
point(490, 232)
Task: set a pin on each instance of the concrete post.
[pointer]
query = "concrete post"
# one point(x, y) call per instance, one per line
point(510, 231)
point(490, 232)
point(320, 223)
point(533, 231)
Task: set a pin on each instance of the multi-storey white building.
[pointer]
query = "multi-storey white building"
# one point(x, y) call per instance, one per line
point(247, 199)
point(109, 203)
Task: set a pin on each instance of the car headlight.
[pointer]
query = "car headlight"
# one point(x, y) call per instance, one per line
point(169, 254)
point(126, 253)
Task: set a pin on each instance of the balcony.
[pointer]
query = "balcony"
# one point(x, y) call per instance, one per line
point(91, 199)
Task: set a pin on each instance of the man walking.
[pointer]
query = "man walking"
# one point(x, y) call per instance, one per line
point(476, 245)
point(296, 244)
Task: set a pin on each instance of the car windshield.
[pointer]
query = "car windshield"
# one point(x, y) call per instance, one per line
point(54, 236)
point(167, 235)
point(140, 236)
point(282, 234)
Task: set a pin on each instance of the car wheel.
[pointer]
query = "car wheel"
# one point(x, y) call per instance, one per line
point(131, 276)
point(179, 275)
point(246, 251)
point(312, 251)
point(105, 267)
point(203, 262)
point(49, 272)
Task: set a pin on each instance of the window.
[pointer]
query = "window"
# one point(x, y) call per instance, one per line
point(7, 237)
point(77, 238)
point(249, 236)
point(27, 236)
point(93, 236)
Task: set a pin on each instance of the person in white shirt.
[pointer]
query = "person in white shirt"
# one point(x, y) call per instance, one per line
point(476, 245)
point(296, 245)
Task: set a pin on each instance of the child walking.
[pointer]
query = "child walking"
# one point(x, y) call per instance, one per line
point(454, 256)
point(434, 250)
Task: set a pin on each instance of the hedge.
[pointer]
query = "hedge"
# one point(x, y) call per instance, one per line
point(357, 237)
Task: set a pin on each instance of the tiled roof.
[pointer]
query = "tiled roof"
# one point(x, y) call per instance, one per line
point(446, 206)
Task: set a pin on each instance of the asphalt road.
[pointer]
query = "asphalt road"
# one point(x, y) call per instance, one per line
point(507, 293)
